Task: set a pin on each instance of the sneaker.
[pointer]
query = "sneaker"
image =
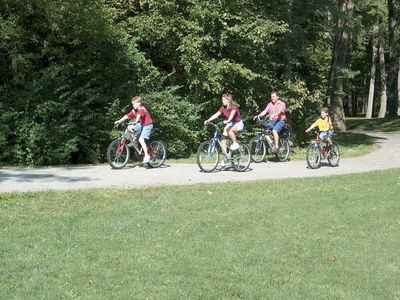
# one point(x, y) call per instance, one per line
point(234, 146)
point(130, 144)
point(225, 160)
point(275, 150)
point(146, 159)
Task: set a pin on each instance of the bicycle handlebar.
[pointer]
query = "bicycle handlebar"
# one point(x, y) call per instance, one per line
point(119, 124)
point(215, 125)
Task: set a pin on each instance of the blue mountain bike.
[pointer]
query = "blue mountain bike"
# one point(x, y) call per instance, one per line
point(209, 153)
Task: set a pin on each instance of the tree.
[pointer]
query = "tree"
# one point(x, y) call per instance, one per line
point(374, 42)
point(393, 101)
point(382, 109)
point(340, 51)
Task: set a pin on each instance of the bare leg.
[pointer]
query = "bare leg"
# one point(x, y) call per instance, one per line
point(232, 133)
point(223, 145)
point(144, 146)
point(276, 138)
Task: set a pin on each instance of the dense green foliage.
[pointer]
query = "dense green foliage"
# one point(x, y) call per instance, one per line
point(69, 68)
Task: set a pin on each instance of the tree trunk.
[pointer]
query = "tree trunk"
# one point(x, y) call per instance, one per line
point(355, 105)
point(393, 101)
point(374, 37)
point(350, 105)
point(382, 109)
point(398, 87)
point(342, 40)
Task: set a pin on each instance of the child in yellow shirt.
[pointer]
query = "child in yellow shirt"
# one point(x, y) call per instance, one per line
point(324, 124)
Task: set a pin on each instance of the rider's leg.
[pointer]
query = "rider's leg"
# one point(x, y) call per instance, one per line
point(232, 130)
point(131, 129)
point(144, 146)
point(223, 143)
point(278, 126)
point(276, 138)
point(329, 137)
point(145, 135)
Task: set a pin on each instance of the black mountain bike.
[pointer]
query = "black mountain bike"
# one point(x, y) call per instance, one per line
point(209, 152)
point(119, 151)
point(262, 144)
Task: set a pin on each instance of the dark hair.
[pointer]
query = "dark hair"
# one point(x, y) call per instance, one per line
point(275, 92)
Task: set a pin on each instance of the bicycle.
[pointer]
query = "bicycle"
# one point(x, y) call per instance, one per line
point(318, 150)
point(208, 153)
point(119, 151)
point(262, 144)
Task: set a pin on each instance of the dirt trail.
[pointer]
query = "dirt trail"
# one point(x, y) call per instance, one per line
point(65, 178)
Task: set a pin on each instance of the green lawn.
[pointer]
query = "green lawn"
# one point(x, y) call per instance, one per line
point(374, 124)
point(317, 238)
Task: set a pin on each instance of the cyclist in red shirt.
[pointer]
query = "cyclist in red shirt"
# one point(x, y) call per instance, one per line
point(143, 123)
point(230, 111)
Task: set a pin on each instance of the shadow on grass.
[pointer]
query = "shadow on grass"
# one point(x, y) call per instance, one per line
point(353, 139)
point(375, 124)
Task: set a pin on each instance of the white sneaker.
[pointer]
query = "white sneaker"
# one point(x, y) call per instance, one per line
point(234, 146)
point(146, 159)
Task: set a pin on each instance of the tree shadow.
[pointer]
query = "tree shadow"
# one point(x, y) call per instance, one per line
point(25, 177)
point(353, 139)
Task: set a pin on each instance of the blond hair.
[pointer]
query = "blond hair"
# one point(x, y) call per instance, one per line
point(230, 98)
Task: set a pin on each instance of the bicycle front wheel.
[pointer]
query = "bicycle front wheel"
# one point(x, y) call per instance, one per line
point(313, 156)
point(207, 156)
point(118, 154)
point(333, 155)
point(284, 150)
point(257, 149)
point(158, 153)
point(241, 158)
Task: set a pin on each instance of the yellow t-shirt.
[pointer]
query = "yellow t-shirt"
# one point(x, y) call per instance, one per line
point(323, 124)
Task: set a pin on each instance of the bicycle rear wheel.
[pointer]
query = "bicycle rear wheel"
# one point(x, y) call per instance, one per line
point(284, 150)
point(207, 156)
point(257, 149)
point(241, 158)
point(118, 154)
point(333, 155)
point(157, 152)
point(313, 156)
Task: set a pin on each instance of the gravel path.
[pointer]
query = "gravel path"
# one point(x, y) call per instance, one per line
point(65, 178)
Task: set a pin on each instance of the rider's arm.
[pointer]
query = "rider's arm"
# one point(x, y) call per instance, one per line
point(137, 118)
point(280, 108)
point(121, 120)
point(263, 113)
point(232, 114)
point(313, 125)
point(213, 117)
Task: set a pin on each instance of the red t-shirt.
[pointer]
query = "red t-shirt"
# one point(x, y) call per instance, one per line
point(145, 118)
point(227, 112)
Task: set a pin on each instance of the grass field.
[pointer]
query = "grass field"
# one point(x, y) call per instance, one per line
point(374, 124)
point(317, 238)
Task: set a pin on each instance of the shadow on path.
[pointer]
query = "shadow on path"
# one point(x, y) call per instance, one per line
point(26, 177)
